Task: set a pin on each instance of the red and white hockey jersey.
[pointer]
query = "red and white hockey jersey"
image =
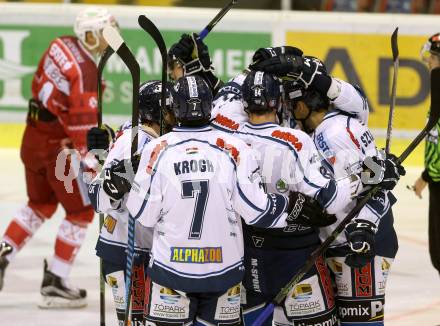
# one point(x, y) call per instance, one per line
point(65, 83)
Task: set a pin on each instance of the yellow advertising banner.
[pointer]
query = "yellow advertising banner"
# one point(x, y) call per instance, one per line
point(366, 59)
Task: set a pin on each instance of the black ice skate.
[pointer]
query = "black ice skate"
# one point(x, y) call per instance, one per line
point(5, 249)
point(56, 293)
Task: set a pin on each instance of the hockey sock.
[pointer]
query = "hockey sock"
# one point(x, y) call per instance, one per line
point(138, 295)
point(25, 223)
point(69, 239)
point(116, 281)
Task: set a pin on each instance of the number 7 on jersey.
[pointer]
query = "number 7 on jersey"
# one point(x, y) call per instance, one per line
point(198, 189)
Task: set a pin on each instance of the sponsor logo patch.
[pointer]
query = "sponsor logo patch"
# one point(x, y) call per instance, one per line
point(207, 255)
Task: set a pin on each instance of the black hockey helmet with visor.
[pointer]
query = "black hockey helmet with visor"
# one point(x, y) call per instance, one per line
point(150, 98)
point(432, 46)
point(192, 101)
point(261, 92)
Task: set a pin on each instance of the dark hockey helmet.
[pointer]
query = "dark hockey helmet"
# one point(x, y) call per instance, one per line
point(150, 96)
point(432, 46)
point(261, 92)
point(192, 101)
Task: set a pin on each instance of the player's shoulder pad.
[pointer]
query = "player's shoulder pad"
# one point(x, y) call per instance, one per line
point(224, 123)
point(232, 145)
point(293, 137)
point(62, 55)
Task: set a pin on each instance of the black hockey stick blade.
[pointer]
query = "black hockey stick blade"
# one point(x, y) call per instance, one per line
point(118, 45)
point(102, 62)
point(394, 46)
point(434, 117)
point(395, 51)
point(149, 27)
point(217, 18)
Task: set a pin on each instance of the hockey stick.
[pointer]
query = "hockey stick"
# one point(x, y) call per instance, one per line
point(116, 42)
point(149, 27)
point(102, 61)
point(395, 50)
point(434, 116)
point(216, 19)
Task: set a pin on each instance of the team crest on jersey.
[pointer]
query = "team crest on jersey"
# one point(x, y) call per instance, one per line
point(191, 255)
point(282, 185)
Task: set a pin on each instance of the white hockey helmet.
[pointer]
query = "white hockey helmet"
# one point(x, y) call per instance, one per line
point(93, 20)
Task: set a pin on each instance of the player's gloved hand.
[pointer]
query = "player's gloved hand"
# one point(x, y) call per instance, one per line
point(307, 211)
point(360, 236)
point(384, 172)
point(192, 53)
point(266, 53)
point(119, 177)
point(284, 66)
point(100, 138)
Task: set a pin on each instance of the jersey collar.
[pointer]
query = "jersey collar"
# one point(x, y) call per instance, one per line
point(192, 129)
point(260, 126)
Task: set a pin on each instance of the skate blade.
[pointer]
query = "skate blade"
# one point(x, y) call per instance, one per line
point(48, 302)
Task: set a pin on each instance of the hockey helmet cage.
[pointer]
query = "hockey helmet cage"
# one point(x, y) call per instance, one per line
point(261, 92)
point(432, 46)
point(93, 20)
point(150, 97)
point(192, 101)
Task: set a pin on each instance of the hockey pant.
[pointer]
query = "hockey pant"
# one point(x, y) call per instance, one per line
point(170, 307)
point(311, 302)
point(360, 295)
point(114, 275)
point(39, 155)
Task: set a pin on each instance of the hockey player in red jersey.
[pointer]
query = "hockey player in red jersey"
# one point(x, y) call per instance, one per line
point(62, 109)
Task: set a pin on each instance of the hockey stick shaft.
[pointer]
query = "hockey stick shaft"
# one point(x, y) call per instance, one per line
point(149, 27)
point(216, 19)
point(115, 40)
point(434, 116)
point(395, 51)
point(103, 60)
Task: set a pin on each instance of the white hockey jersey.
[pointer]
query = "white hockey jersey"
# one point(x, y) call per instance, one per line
point(112, 242)
point(289, 162)
point(189, 184)
point(344, 141)
point(228, 110)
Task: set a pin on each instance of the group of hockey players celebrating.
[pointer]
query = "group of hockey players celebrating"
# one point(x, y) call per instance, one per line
point(246, 180)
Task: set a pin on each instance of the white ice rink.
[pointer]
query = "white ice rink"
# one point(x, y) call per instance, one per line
point(413, 296)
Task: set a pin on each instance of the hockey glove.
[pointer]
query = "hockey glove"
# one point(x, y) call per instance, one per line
point(307, 211)
point(384, 172)
point(100, 138)
point(360, 236)
point(263, 54)
point(284, 66)
point(192, 53)
point(312, 68)
point(119, 177)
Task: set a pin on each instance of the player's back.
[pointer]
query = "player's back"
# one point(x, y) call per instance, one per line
point(344, 142)
point(192, 177)
point(283, 168)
